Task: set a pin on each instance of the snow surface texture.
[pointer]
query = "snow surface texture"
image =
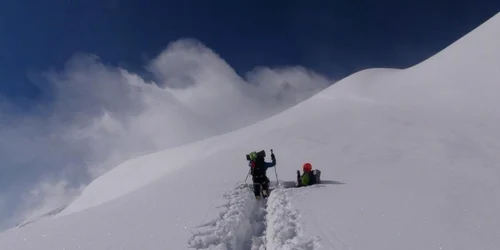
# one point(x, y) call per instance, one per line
point(409, 160)
point(243, 222)
point(239, 226)
point(284, 228)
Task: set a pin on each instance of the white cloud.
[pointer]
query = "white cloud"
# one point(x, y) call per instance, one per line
point(99, 115)
point(45, 199)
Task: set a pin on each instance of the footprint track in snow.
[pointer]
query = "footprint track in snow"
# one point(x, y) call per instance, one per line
point(284, 230)
point(240, 226)
point(246, 223)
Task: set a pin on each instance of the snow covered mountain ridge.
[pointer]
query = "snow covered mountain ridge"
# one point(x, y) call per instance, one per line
point(409, 160)
point(93, 116)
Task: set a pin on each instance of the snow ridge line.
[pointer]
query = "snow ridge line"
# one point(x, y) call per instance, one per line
point(239, 227)
point(284, 230)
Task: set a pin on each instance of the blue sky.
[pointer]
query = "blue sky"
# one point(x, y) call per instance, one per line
point(335, 38)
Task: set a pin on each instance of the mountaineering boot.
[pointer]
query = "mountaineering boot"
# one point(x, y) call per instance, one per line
point(264, 193)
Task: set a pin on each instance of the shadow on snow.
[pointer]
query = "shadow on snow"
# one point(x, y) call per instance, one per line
point(292, 184)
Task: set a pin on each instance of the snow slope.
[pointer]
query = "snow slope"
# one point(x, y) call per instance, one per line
point(409, 160)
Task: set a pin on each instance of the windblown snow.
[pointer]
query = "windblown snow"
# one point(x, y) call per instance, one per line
point(409, 160)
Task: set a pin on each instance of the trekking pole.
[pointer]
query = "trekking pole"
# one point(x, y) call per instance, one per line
point(275, 171)
point(247, 175)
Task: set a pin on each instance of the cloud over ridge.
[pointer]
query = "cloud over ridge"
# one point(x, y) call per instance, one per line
point(97, 116)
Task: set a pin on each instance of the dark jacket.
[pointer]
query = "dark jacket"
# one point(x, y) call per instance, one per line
point(259, 167)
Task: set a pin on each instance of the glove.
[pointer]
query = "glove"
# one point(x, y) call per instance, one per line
point(273, 157)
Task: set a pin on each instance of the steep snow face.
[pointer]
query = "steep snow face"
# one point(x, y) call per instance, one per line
point(409, 161)
point(417, 150)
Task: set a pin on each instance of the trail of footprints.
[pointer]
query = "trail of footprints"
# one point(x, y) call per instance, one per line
point(249, 224)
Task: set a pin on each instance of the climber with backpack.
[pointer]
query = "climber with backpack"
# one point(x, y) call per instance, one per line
point(258, 167)
point(310, 176)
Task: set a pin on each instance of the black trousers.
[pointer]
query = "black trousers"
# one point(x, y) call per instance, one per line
point(258, 182)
